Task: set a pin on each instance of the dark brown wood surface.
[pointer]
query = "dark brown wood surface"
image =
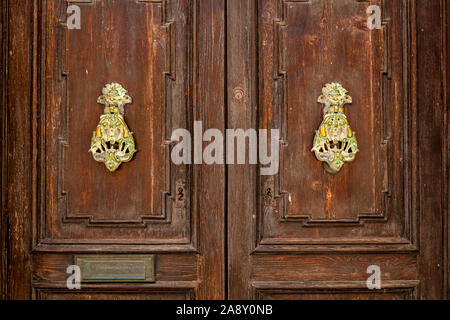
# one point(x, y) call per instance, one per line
point(430, 172)
point(446, 149)
point(231, 64)
point(3, 153)
point(62, 202)
point(316, 234)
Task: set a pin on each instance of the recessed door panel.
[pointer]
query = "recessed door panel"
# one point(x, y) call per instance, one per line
point(144, 46)
point(306, 233)
point(303, 45)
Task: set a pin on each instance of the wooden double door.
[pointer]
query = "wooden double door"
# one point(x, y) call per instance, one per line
point(216, 231)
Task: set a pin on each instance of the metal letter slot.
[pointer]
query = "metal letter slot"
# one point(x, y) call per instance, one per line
point(335, 143)
point(116, 268)
point(112, 142)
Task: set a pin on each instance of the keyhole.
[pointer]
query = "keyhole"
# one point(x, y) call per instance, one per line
point(269, 194)
point(180, 194)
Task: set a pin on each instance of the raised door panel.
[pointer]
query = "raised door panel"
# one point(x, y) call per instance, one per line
point(146, 47)
point(302, 46)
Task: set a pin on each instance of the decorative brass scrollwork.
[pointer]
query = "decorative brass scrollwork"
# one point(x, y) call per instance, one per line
point(335, 143)
point(112, 142)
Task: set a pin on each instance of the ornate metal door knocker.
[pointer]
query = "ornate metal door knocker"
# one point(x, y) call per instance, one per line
point(112, 142)
point(335, 143)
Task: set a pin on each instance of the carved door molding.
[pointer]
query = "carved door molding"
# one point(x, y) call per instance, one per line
point(301, 234)
point(68, 205)
point(310, 234)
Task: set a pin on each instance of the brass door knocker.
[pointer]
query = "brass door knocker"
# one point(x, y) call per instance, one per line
point(335, 143)
point(112, 142)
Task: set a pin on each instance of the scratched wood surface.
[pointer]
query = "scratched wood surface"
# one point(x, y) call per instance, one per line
point(71, 204)
point(236, 64)
point(306, 234)
point(3, 153)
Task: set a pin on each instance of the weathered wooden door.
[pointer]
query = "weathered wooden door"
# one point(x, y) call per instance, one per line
point(64, 206)
point(223, 231)
point(305, 233)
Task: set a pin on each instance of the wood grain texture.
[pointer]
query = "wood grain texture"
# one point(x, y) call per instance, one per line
point(446, 149)
point(335, 290)
point(3, 152)
point(186, 63)
point(209, 107)
point(175, 290)
point(105, 294)
point(332, 267)
point(367, 201)
point(173, 68)
point(19, 160)
point(431, 140)
point(146, 47)
point(375, 214)
point(240, 114)
point(168, 267)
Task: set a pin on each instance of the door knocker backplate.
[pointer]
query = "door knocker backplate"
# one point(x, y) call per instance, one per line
point(335, 143)
point(112, 142)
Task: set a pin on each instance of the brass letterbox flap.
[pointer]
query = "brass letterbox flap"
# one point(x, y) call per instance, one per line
point(116, 268)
